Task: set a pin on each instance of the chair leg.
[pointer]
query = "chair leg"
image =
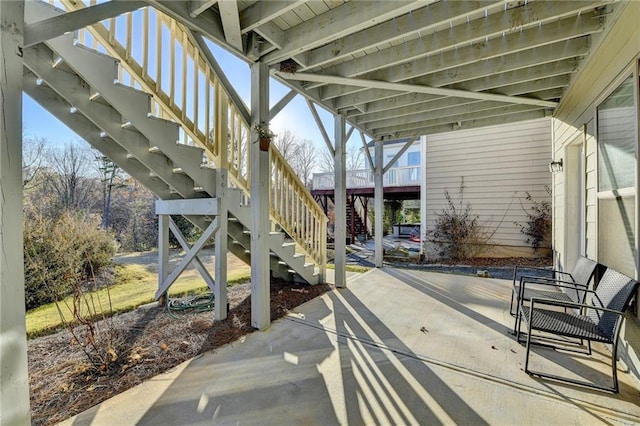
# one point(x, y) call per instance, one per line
point(614, 369)
point(526, 359)
point(511, 311)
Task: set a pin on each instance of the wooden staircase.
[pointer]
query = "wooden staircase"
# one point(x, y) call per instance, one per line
point(141, 131)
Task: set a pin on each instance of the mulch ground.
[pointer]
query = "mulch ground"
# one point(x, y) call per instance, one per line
point(68, 373)
point(501, 261)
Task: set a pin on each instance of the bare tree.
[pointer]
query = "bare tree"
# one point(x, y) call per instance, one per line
point(70, 179)
point(33, 153)
point(287, 144)
point(111, 176)
point(304, 161)
point(354, 160)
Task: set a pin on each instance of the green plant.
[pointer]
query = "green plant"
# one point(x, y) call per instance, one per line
point(457, 232)
point(539, 221)
point(263, 131)
point(391, 214)
point(62, 252)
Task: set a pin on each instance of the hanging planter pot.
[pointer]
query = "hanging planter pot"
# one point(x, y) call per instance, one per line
point(264, 144)
point(264, 136)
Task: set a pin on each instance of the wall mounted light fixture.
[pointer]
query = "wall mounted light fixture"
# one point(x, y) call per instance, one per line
point(555, 166)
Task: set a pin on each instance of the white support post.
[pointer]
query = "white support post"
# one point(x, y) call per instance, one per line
point(220, 290)
point(340, 209)
point(163, 248)
point(14, 380)
point(378, 202)
point(423, 194)
point(260, 182)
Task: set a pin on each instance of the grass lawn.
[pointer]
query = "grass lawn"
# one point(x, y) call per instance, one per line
point(134, 285)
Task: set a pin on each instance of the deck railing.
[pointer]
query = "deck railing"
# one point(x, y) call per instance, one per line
point(398, 176)
point(158, 55)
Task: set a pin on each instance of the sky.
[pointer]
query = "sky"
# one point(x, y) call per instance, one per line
point(296, 117)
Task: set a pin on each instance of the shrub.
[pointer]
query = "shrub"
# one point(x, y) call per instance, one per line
point(539, 223)
point(457, 232)
point(61, 252)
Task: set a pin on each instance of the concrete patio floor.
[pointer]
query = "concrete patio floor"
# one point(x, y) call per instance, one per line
point(396, 347)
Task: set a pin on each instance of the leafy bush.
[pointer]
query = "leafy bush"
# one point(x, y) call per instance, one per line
point(61, 252)
point(457, 232)
point(538, 226)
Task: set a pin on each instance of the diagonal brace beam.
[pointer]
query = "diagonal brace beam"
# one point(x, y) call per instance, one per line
point(399, 154)
point(316, 117)
point(366, 151)
point(281, 104)
point(46, 29)
point(164, 286)
point(206, 276)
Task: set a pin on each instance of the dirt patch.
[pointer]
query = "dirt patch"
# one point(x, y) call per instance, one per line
point(144, 343)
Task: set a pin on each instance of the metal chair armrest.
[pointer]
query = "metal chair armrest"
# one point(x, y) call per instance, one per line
point(538, 268)
point(570, 305)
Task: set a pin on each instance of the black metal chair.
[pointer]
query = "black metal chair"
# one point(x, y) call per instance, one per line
point(563, 286)
point(597, 321)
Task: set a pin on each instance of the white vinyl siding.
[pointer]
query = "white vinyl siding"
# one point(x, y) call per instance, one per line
point(578, 110)
point(591, 249)
point(615, 54)
point(499, 165)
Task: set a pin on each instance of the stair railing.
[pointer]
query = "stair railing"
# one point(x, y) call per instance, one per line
point(159, 56)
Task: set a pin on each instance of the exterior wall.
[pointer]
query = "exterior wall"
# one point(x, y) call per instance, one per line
point(615, 54)
point(499, 164)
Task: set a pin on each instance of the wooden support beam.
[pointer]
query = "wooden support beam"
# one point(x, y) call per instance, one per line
point(196, 206)
point(196, 7)
point(282, 103)
point(263, 12)
point(340, 208)
point(323, 131)
point(423, 194)
point(220, 291)
point(366, 152)
point(14, 379)
point(418, 22)
point(46, 29)
point(378, 230)
point(399, 154)
point(401, 87)
point(341, 21)
point(349, 133)
point(206, 276)
point(163, 248)
point(260, 178)
point(231, 22)
point(494, 30)
point(186, 260)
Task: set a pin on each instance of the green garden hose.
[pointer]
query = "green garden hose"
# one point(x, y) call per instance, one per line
point(194, 304)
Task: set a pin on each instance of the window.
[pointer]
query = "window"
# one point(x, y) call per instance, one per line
point(389, 158)
point(413, 159)
point(616, 139)
point(617, 153)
